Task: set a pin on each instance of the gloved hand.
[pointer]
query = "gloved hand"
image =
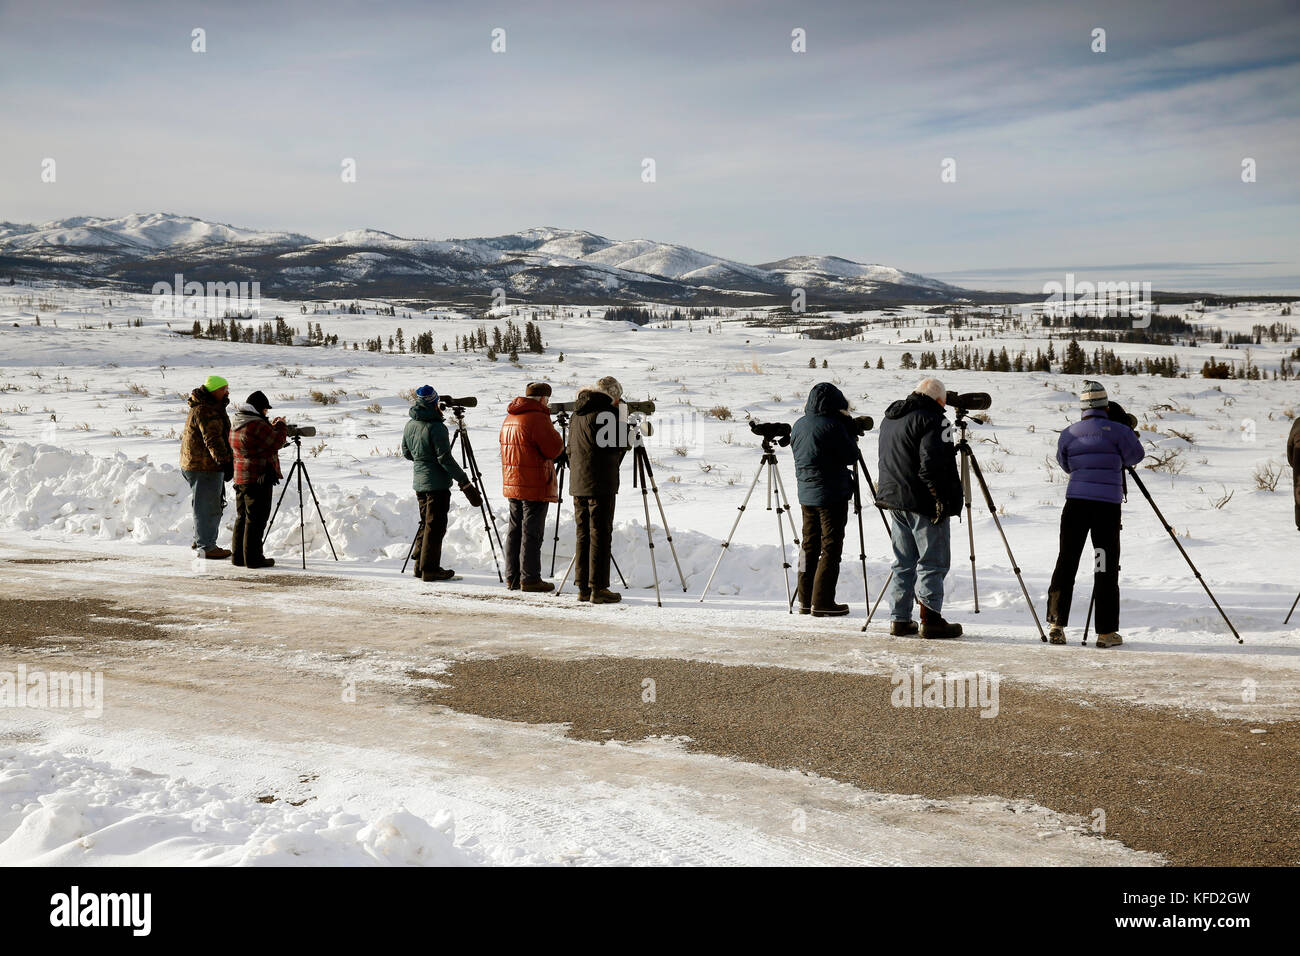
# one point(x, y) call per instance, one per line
point(228, 471)
point(472, 495)
point(938, 512)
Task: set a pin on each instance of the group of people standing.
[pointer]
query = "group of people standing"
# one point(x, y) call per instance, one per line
point(532, 451)
point(216, 450)
point(920, 490)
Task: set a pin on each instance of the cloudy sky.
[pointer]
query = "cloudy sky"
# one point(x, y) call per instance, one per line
point(1064, 157)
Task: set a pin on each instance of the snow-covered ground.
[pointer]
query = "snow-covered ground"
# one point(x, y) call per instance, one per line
point(89, 418)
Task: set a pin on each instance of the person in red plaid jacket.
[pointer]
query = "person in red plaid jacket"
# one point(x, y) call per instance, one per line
point(256, 442)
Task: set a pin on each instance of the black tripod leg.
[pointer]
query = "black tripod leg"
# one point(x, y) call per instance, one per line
point(411, 551)
point(476, 477)
point(319, 514)
point(1183, 552)
point(470, 464)
point(617, 569)
point(862, 540)
point(302, 516)
point(267, 533)
point(988, 500)
point(1088, 620)
point(559, 504)
point(1292, 611)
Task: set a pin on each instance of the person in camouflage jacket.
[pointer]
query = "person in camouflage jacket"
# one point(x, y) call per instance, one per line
point(207, 461)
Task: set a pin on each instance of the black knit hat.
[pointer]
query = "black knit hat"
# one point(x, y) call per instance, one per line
point(259, 401)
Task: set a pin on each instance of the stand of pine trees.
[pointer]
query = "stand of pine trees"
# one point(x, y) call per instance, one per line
point(1074, 361)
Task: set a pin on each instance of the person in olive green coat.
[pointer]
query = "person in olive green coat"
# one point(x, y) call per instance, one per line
point(425, 442)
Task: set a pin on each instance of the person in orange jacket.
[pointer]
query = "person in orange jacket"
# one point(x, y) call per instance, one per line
point(530, 447)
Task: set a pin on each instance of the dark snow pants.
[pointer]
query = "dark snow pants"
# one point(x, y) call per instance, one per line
point(1081, 519)
point(594, 517)
point(434, 506)
point(819, 559)
point(524, 540)
point(252, 509)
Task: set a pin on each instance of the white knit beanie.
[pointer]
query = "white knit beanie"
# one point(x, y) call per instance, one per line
point(1093, 395)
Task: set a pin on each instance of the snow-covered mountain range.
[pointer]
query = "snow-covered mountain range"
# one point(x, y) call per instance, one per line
point(537, 264)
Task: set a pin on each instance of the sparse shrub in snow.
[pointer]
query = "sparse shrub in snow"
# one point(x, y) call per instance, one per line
point(1168, 460)
point(1267, 475)
point(721, 412)
point(321, 398)
point(374, 407)
point(680, 451)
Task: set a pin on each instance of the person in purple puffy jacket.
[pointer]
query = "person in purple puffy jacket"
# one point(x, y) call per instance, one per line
point(1094, 452)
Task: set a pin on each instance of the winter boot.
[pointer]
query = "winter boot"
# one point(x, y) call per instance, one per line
point(216, 554)
point(441, 574)
point(512, 584)
point(605, 596)
point(823, 594)
point(1109, 640)
point(584, 596)
point(536, 587)
point(903, 628)
point(264, 563)
point(832, 610)
point(1056, 635)
point(935, 628)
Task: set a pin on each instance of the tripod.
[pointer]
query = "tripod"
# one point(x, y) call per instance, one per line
point(1146, 494)
point(775, 489)
point(643, 477)
point(562, 418)
point(969, 464)
point(301, 470)
point(470, 464)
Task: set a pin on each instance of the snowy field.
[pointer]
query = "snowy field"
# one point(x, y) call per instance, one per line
point(89, 423)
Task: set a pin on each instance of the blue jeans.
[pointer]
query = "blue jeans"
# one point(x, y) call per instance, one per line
point(921, 560)
point(207, 496)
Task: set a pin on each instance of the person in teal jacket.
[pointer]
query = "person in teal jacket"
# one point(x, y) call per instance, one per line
point(425, 442)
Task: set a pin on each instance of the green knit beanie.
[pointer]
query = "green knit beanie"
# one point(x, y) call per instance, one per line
point(214, 383)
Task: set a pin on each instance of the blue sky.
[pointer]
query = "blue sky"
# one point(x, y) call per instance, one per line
point(1064, 156)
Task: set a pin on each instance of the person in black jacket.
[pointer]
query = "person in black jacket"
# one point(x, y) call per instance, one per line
point(921, 489)
point(824, 452)
point(599, 437)
point(1293, 459)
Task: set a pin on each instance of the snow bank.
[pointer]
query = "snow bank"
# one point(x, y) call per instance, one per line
point(62, 810)
point(49, 489)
